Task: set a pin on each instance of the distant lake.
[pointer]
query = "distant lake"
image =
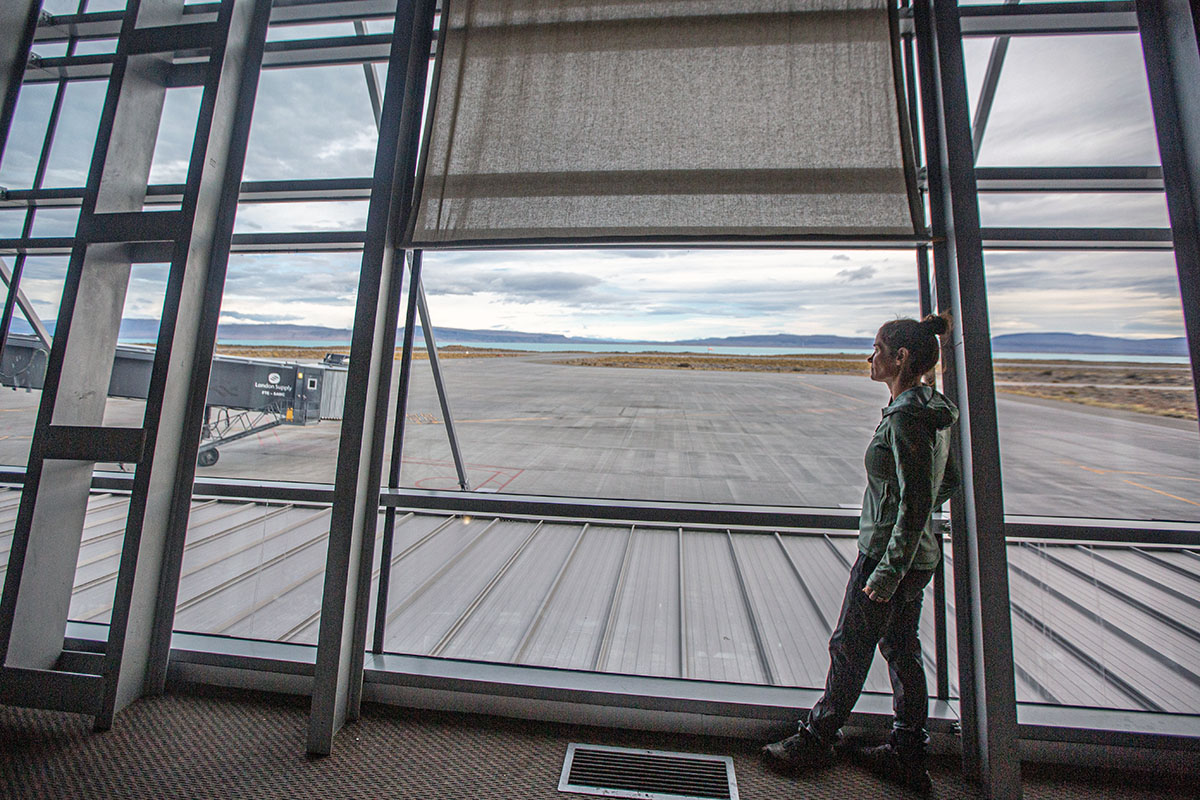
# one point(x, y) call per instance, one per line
point(724, 350)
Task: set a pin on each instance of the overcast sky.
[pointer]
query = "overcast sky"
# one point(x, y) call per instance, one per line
point(1061, 101)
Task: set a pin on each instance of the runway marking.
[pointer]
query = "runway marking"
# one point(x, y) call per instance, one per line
point(1099, 471)
point(831, 391)
point(1160, 491)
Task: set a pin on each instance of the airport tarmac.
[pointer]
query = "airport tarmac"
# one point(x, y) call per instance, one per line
point(528, 425)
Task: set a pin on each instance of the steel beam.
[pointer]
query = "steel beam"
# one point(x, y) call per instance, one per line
point(337, 684)
point(47, 532)
point(443, 399)
point(1077, 238)
point(1170, 30)
point(188, 332)
point(1054, 19)
point(18, 20)
point(988, 179)
point(981, 574)
point(68, 437)
point(1069, 179)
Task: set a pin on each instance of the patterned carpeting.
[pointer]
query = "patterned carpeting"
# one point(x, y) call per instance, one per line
point(237, 745)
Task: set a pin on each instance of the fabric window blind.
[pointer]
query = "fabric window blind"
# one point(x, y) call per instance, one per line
point(630, 120)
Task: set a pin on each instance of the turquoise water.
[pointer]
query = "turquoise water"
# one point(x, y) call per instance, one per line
point(555, 347)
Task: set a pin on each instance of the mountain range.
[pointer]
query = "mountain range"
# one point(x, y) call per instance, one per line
point(145, 330)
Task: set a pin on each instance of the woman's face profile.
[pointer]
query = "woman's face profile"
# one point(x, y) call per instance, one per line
point(884, 364)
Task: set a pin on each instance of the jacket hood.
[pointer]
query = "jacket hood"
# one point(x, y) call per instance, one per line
point(927, 404)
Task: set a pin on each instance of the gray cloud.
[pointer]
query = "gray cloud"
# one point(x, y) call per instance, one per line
point(239, 316)
point(862, 273)
point(518, 287)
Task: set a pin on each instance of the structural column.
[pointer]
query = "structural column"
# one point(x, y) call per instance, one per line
point(1170, 31)
point(115, 232)
point(18, 21)
point(341, 642)
point(980, 558)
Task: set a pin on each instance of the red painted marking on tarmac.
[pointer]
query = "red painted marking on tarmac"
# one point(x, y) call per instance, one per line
point(505, 475)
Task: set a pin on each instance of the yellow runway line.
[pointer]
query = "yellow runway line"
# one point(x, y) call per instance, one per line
point(1160, 491)
point(1099, 471)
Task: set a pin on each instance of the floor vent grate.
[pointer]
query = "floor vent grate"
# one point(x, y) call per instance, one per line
point(647, 774)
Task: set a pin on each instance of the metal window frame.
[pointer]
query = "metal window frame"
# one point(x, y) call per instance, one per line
point(1177, 178)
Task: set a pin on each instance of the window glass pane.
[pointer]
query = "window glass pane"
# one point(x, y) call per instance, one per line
point(55, 222)
point(176, 133)
point(1095, 401)
point(314, 122)
point(50, 49)
point(1106, 626)
point(256, 569)
point(23, 366)
point(12, 221)
point(64, 6)
point(89, 47)
point(253, 570)
point(345, 215)
point(140, 321)
point(653, 375)
point(26, 135)
point(328, 30)
point(1118, 210)
point(71, 155)
point(1067, 101)
point(280, 315)
point(99, 6)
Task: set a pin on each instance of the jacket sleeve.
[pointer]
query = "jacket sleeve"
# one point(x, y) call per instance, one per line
point(913, 445)
point(951, 479)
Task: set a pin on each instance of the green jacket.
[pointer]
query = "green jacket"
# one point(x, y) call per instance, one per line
point(907, 478)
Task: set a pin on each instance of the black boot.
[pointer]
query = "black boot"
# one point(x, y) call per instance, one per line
point(799, 752)
point(885, 761)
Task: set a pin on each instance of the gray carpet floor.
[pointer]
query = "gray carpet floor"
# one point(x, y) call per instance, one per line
point(222, 744)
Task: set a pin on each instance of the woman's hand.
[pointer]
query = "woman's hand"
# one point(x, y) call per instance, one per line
point(874, 595)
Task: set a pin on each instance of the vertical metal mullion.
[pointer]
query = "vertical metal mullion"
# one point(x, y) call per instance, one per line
point(210, 200)
point(395, 460)
point(990, 752)
point(1170, 33)
point(941, 643)
point(341, 641)
point(923, 23)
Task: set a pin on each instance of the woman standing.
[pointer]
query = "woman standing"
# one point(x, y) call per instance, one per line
point(906, 479)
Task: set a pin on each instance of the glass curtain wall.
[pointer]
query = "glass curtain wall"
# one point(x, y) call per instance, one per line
point(1096, 404)
point(252, 568)
point(706, 378)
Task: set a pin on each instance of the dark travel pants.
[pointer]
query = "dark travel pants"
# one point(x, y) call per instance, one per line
point(893, 626)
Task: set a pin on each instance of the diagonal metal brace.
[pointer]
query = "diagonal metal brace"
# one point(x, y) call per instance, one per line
point(418, 286)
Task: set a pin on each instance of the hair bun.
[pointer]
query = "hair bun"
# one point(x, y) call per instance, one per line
point(936, 324)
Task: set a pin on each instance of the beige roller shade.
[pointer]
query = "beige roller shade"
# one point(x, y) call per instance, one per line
point(615, 120)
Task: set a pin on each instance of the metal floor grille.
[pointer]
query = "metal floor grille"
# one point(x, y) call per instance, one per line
point(646, 774)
